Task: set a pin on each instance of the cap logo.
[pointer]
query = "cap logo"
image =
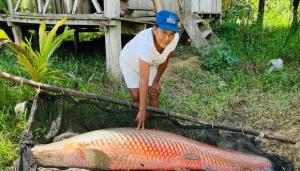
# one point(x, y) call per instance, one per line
point(171, 20)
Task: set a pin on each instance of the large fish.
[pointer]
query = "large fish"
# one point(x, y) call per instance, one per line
point(126, 148)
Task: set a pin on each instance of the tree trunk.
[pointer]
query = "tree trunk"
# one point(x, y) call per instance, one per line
point(261, 11)
point(295, 10)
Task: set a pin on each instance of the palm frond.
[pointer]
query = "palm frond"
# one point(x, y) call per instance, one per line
point(36, 63)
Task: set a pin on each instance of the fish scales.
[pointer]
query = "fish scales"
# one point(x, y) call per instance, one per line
point(128, 148)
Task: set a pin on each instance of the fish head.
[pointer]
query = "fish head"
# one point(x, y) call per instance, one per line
point(70, 155)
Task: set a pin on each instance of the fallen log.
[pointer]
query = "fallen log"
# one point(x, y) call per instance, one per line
point(96, 97)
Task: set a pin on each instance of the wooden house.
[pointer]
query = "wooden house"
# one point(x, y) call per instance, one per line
point(115, 17)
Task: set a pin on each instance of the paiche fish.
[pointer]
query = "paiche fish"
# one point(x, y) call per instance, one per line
point(129, 148)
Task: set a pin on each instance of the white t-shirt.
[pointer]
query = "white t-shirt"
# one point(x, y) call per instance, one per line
point(142, 47)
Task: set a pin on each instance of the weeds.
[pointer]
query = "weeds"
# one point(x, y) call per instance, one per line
point(11, 128)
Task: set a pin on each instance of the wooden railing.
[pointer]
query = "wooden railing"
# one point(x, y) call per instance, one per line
point(71, 5)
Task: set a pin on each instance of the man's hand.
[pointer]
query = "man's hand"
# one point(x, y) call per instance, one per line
point(155, 88)
point(141, 118)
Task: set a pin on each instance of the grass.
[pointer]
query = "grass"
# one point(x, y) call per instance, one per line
point(11, 128)
point(232, 95)
point(244, 94)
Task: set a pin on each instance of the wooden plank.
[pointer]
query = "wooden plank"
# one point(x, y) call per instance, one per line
point(10, 6)
point(68, 4)
point(129, 28)
point(77, 19)
point(140, 9)
point(75, 6)
point(187, 7)
point(97, 6)
point(191, 26)
point(113, 40)
point(138, 20)
point(17, 5)
point(46, 6)
point(39, 5)
point(157, 5)
point(193, 31)
point(206, 33)
point(199, 20)
point(57, 16)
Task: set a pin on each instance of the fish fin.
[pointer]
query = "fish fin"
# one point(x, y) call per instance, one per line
point(97, 158)
point(191, 156)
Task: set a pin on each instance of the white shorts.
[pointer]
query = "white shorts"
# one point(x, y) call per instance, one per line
point(132, 77)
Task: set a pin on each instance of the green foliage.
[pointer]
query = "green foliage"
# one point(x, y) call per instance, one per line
point(37, 63)
point(219, 58)
point(11, 128)
point(3, 6)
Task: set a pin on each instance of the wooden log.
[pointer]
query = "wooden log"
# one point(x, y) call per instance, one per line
point(154, 110)
point(113, 39)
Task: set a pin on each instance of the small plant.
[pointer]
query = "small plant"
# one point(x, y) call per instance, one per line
point(219, 58)
point(37, 64)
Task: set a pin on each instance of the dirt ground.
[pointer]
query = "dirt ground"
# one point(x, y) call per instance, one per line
point(290, 131)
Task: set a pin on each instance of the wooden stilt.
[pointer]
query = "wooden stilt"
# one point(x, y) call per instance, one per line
point(17, 32)
point(39, 6)
point(15, 28)
point(113, 39)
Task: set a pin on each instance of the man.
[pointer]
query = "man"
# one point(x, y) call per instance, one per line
point(144, 59)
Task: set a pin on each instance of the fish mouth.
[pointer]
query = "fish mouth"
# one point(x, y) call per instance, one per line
point(71, 157)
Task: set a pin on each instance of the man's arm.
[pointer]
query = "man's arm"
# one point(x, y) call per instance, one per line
point(144, 81)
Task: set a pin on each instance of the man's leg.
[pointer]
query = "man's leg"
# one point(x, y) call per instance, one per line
point(153, 97)
point(154, 102)
point(135, 94)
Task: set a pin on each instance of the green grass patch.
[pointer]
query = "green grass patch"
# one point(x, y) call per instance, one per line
point(11, 128)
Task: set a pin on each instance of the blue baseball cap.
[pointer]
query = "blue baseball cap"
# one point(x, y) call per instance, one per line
point(167, 20)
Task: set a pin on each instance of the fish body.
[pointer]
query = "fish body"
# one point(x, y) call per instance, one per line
point(128, 148)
